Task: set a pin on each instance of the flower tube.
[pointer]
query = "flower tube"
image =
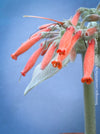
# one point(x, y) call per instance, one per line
point(89, 62)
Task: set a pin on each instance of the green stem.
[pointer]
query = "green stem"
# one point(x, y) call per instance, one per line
point(89, 106)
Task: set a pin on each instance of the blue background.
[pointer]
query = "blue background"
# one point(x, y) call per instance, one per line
point(57, 104)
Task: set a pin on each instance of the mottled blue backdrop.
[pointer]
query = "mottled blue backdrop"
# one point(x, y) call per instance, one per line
point(57, 104)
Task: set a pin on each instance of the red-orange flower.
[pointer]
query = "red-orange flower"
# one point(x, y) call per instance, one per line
point(48, 56)
point(60, 58)
point(30, 42)
point(75, 18)
point(89, 62)
point(66, 38)
point(75, 38)
point(25, 46)
point(31, 61)
point(90, 31)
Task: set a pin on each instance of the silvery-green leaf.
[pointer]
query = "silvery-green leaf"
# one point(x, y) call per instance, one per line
point(41, 75)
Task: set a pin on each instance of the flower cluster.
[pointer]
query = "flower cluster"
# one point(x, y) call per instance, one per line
point(63, 40)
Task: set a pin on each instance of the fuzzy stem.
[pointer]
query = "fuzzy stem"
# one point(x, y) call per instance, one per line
point(89, 106)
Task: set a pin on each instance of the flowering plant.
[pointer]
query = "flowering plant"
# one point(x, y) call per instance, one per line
point(61, 42)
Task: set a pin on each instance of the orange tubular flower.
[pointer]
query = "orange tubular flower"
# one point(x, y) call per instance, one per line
point(60, 58)
point(73, 42)
point(48, 56)
point(90, 31)
point(75, 18)
point(25, 46)
point(65, 40)
point(31, 61)
point(89, 62)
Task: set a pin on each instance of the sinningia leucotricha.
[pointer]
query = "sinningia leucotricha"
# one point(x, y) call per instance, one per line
point(63, 41)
